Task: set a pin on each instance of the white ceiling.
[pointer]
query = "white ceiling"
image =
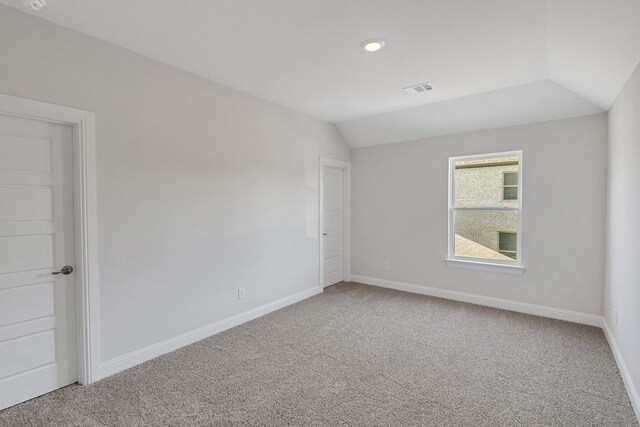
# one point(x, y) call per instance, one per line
point(536, 102)
point(306, 55)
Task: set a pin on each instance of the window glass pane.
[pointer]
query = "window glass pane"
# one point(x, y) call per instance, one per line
point(508, 241)
point(510, 178)
point(511, 193)
point(478, 234)
point(480, 183)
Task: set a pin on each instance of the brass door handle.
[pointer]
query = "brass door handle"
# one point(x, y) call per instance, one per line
point(66, 270)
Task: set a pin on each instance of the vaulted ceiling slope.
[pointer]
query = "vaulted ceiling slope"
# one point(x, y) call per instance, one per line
point(529, 103)
point(306, 54)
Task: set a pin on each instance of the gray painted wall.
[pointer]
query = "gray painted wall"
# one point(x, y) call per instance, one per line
point(201, 188)
point(622, 291)
point(399, 212)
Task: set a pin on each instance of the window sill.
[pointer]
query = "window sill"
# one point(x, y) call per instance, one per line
point(515, 270)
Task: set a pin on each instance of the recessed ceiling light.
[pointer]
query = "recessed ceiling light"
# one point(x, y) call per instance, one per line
point(34, 4)
point(373, 45)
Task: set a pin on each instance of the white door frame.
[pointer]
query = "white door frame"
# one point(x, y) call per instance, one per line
point(346, 235)
point(85, 213)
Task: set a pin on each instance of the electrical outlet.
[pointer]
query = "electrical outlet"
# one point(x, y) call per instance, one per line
point(387, 266)
point(242, 292)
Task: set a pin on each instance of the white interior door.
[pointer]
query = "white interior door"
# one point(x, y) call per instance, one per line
point(37, 308)
point(333, 225)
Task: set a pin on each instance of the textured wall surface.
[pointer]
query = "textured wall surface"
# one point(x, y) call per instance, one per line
point(484, 227)
point(483, 187)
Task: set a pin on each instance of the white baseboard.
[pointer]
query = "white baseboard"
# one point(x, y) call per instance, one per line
point(521, 307)
point(632, 390)
point(137, 357)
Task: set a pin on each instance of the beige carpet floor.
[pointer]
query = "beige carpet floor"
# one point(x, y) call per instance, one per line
point(362, 356)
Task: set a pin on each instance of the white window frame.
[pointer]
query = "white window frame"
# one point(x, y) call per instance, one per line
point(499, 266)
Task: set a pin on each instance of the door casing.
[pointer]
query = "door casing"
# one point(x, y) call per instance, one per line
point(85, 215)
point(346, 167)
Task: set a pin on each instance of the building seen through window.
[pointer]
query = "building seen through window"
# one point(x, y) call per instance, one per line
point(485, 207)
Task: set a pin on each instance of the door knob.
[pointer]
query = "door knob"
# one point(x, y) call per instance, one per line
point(324, 234)
point(66, 270)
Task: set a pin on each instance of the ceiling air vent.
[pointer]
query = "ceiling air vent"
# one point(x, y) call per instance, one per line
point(34, 4)
point(421, 88)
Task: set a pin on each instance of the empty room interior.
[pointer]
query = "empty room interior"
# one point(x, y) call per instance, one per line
point(319, 213)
